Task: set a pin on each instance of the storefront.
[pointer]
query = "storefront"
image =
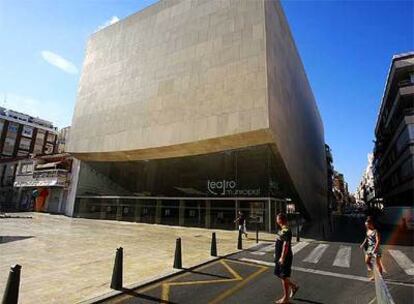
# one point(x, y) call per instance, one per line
point(43, 183)
point(198, 191)
point(218, 213)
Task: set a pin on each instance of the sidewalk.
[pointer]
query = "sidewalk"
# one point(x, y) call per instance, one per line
point(67, 260)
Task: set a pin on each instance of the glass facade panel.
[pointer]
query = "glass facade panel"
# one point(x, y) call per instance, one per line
point(196, 191)
point(147, 211)
point(126, 210)
point(170, 212)
point(255, 212)
point(223, 214)
point(109, 209)
point(194, 213)
point(238, 173)
point(215, 214)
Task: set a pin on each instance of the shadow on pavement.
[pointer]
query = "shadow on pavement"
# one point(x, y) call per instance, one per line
point(306, 301)
point(206, 273)
point(5, 216)
point(7, 239)
point(134, 294)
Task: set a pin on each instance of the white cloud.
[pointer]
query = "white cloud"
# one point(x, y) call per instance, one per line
point(114, 19)
point(59, 62)
point(56, 112)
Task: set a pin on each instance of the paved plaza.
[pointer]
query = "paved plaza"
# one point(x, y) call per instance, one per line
point(68, 260)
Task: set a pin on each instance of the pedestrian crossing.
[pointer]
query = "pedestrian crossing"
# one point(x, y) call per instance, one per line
point(403, 261)
point(299, 246)
point(342, 257)
point(264, 250)
point(316, 254)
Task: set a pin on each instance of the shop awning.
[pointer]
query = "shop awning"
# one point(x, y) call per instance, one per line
point(48, 165)
point(39, 183)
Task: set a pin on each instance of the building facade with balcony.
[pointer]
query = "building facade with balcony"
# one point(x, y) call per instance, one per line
point(394, 146)
point(189, 111)
point(42, 183)
point(330, 178)
point(22, 135)
point(365, 192)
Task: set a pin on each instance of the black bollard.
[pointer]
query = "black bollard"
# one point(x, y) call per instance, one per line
point(257, 230)
point(11, 293)
point(239, 241)
point(177, 257)
point(116, 282)
point(213, 245)
point(297, 227)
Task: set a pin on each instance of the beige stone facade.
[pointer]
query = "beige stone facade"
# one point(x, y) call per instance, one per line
point(175, 73)
point(184, 78)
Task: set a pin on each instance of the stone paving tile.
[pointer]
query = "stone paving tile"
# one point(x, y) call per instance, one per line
point(68, 260)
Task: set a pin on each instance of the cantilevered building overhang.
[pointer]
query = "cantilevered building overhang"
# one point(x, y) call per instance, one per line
point(186, 78)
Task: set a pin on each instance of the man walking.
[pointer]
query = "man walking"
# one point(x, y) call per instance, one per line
point(283, 258)
point(241, 221)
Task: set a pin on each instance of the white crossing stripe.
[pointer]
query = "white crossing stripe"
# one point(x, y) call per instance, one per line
point(268, 248)
point(263, 250)
point(258, 253)
point(299, 246)
point(316, 254)
point(403, 261)
point(343, 257)
point(326, 273)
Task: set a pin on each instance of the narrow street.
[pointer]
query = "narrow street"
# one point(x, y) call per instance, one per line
point(327, 271)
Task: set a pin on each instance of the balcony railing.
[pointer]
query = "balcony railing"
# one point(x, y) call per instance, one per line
point(405, 83)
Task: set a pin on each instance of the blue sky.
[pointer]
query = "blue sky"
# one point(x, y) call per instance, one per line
point(346, 47)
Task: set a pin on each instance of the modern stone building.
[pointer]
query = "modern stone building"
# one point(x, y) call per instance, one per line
point(394, 132)
point(188, 111)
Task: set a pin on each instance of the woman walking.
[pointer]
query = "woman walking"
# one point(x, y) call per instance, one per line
point(241, 221)
point(284, 258)
point(371, 244)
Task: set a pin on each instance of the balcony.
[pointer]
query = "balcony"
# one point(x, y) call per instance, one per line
point(405, 83)
point(43, 178)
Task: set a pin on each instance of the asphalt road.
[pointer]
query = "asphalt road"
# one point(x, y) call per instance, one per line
point(327, 272)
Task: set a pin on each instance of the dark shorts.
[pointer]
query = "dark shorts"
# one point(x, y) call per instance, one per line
point(283, 271)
